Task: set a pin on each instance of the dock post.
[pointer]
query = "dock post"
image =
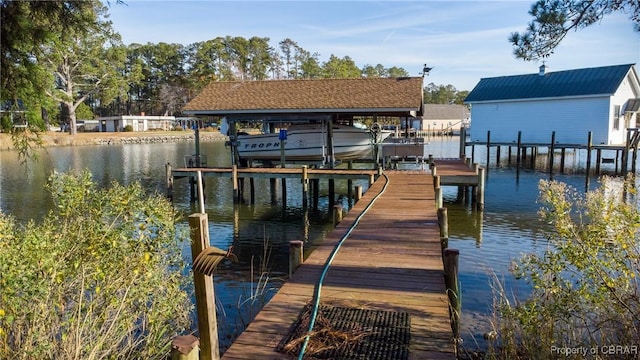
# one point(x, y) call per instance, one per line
point(438, 192)
point(204, 292)
point(625, 155)
point(453, 290)
point(234, 177)
point(598, 160)
point(551, 152)
point(480, 189)
point(337, 214)
point(488, 146)
point(463, 141)
point(443, 221)
point(169, 178)
point(589, 140)
point(185, 347)
point(563, 153)
point(358, 194)
point(272, 190)
point(518, 151)
point(305, 185)
point(436, 181)
point(296, 255)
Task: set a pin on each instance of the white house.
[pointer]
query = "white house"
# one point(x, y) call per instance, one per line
point(137, 122)
point(444, 118)
point(602, 100)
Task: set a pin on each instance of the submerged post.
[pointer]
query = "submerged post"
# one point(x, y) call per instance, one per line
point(203, 286)
point(185, 348)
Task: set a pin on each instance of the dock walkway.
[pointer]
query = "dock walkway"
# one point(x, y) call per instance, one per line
point(390, 263)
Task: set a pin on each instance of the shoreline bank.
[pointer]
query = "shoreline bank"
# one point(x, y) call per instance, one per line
point(51, 138)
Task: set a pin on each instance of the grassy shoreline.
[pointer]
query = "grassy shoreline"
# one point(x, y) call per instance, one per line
point(53, 138)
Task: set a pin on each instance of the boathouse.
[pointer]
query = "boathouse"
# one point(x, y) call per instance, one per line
point(603, 101)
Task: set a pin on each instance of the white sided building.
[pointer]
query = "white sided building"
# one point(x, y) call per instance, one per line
point(137, 122)
point(603, 100)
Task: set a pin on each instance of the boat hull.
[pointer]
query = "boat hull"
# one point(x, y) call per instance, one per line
point(308, 144)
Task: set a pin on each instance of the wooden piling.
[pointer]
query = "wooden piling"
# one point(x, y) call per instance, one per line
point(589, 148)
point(337, 214)
point(551, 152)
point(169, 179)
point(439, 201)
point(443, 221)
point(453, 290)
point(234, 180)
point(488, 146)
point(480, 189)
point(305, 185)
point(204, 294)
point(358, 190)
point(296, 255)
point(519, 150)
point(185, 347)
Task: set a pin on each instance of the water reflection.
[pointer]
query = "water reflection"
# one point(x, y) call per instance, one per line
point(260, 230)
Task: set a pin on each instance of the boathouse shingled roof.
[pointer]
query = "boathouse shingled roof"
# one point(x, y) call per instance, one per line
point(580, 82)
point(400, 96)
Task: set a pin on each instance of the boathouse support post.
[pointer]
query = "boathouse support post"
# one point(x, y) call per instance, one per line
point(305, 185)
point(296, 255)
point(272, 190)
point(598, 160)
point(551, 153)
point(169, 179)
point(563, 153)
point(497, 155)
point(204, 291)
point(453, 290)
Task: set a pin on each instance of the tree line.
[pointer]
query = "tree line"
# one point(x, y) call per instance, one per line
point(63, 61)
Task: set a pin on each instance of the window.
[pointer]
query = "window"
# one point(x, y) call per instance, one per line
point(616, 117)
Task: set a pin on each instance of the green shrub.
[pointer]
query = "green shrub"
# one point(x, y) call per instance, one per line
point(586, 290)
point(100, 277)
point(128, 128)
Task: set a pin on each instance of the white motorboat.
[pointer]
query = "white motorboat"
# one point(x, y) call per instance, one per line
point(308, 142)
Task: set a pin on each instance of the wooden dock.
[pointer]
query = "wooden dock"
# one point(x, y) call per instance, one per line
point(391, 262)
point(459, 172)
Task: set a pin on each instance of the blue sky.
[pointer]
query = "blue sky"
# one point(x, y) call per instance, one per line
point(463, 41)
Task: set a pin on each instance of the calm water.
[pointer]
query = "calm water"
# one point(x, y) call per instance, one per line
point(488, 241)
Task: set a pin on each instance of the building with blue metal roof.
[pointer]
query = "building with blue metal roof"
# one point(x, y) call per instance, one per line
point(603, 101)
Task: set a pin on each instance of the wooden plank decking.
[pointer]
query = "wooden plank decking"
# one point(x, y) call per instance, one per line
point(391, 262)
point(454, 172)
